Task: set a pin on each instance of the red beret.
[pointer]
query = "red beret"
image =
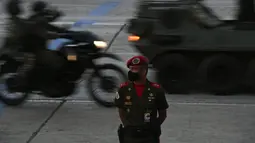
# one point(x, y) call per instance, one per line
point(137, 60)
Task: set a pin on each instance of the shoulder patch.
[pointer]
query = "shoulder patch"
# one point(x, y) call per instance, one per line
point(155, 85)
point(124, 84)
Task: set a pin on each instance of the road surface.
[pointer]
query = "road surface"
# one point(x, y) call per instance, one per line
point(191, 118)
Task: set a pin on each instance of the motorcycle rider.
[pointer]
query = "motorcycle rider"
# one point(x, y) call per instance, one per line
point(42, 9)
point(31, 36)
point(15, 28)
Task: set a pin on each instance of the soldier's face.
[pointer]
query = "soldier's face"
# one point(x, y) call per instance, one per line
point(138, 69)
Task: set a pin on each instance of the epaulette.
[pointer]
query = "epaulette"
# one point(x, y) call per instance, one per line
point(156, 85)
point(124, 84)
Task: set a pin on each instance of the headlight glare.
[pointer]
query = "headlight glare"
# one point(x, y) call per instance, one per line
point(100, 44)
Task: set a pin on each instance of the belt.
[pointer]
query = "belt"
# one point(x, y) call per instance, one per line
point(138, 131)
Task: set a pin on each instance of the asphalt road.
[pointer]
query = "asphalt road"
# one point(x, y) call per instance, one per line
point(191, 118)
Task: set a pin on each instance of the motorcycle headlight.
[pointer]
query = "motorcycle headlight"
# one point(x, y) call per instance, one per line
point(100, 44)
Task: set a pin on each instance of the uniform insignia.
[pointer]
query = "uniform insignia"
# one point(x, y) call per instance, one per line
point(151, 97)
point(128, 97)
point(136, 61)
point(155, 85)
point(128, 103)
point(147, 117)
point(129, 89)
point(124, 84)
point(149, 89)
point(117, 95)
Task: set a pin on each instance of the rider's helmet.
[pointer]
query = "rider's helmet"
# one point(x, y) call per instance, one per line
point(39, 6)
point(13, 7)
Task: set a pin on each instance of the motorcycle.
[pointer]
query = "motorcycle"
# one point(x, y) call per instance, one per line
point(79, 55)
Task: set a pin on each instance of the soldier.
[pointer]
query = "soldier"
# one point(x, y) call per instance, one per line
point(139, 101)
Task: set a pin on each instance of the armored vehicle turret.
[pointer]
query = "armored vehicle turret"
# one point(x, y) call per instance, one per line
point(192, 49)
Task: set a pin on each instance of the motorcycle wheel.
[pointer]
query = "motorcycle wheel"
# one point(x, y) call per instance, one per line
point(8, 71)
point(106, 82)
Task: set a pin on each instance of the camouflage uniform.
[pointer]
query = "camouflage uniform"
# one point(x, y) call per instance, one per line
point(16, 30)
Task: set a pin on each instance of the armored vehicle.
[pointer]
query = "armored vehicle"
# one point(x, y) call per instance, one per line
point(192, 49)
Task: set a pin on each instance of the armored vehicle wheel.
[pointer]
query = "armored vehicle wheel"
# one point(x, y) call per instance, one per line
point(175, 73)
point(220, 74)
point(250, 75)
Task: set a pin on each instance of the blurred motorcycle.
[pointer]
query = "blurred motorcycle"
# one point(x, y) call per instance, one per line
point(79, 54)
